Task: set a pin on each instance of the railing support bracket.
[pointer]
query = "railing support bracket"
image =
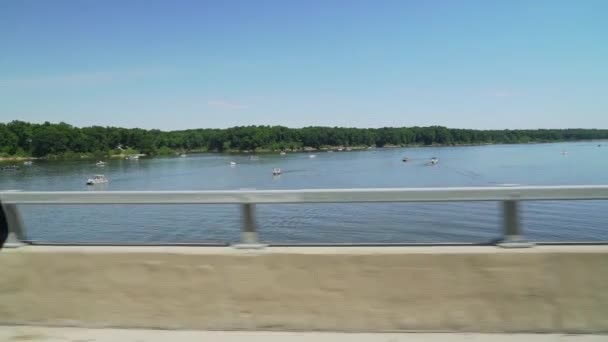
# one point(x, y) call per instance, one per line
point(511, 226)
point(15, 227)
point(249, 234)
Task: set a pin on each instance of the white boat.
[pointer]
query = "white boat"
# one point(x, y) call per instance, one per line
point(232, 163)
point(312, 156)
point(283, 153)
point(183, 155)
point(254, 158)
point(330, 151)
point(100, 163)
point(434, 161)
point(133, 157)
point(28, 163)
point(276, 171)
point(97, 179)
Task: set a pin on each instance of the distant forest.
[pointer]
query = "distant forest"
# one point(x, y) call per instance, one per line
point(19, 138)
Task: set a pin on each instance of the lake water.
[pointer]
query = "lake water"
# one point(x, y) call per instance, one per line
point(535, 164)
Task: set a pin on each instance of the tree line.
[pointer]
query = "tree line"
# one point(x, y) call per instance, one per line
point(19, 138)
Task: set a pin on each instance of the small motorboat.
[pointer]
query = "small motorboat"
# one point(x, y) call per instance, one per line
point(133, 157)
point(100, 163)
point(312, 156)
point(254, 158)
point(330, 151)
point(283, 153)
point(97, 179)
point(232, 163)
point(183, 155)
point(434, 161)
point(28, 163)
point(349, 149)
point(276, 171)
point(405, 159)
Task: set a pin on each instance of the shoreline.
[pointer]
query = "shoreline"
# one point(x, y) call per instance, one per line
point(2, 159)
point(371, 148)
point(300, 150)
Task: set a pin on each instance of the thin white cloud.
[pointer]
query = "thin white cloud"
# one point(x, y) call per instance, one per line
point(222, 104)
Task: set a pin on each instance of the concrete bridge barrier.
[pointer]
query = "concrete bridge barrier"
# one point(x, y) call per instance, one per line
point(459, 289)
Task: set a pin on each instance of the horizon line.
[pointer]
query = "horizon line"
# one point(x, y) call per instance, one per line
point(298, 127)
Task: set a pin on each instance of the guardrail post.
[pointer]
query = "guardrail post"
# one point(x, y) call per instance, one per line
point(16, 231)
point(249, 234)
point(512, 231)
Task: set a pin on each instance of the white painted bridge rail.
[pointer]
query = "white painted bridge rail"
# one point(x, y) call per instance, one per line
point(502, 193)
point(508, 195)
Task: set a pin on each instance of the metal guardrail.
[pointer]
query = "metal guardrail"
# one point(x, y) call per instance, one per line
point(509, 196)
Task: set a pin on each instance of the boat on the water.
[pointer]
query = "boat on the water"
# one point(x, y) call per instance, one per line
point(563, 153)
point(405, 159)
point(283, 153)
point(312, 156)
point(232, 163)
point(434, 161)
point(97, 179)
point(276, 171)
point(135, 157)
point(28, 163)
point(100, 163)
point(183, 155)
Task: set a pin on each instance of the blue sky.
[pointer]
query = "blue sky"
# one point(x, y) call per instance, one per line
point(188, 64)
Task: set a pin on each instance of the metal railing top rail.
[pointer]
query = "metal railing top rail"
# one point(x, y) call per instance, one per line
point(583, 192)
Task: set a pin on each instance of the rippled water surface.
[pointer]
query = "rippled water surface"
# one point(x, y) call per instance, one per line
point(537, 164)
